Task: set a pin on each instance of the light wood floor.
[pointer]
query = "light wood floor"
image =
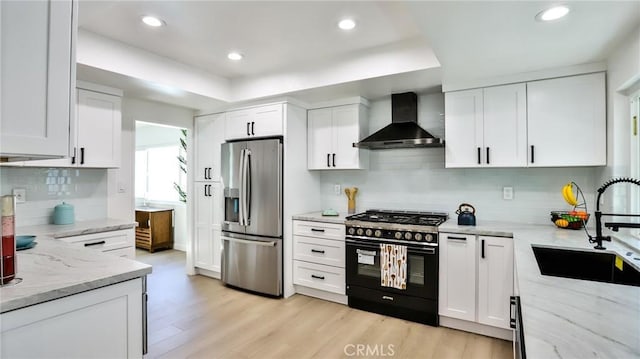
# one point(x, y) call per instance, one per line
point(198, 317)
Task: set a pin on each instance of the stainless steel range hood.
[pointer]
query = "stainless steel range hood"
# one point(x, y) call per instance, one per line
point(403, 132)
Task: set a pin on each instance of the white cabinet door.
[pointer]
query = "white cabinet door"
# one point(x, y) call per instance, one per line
point(505, 126)
point(320, 140)
point(567, 121)
point(463, 128)
point(38, 78)
point(209, 136)
point(457, 293)
point(331, 133)
point(208, 216)
point(104, 322)
point(346, 131)
point(495, 280)
point(99, 129)
point(261, 121)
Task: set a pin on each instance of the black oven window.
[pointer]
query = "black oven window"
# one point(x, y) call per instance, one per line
point(415, 269)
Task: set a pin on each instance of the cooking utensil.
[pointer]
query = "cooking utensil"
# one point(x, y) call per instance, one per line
point(351, 196)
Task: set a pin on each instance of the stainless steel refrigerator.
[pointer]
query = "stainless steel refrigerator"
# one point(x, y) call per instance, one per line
point(252, 227)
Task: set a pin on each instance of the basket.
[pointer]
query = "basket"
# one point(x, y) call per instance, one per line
point(575, 221)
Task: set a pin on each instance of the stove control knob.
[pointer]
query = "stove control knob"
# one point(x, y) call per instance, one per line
point(428, 237)
point(377, 233)
point(408, 236)
point(398, 235)
point(368, 232)
point(418, 236)
point(351, 230)
point(360, 231)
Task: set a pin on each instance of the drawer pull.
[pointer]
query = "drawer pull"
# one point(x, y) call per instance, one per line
point(317, 230)
point(386, 297)
point(94, 243)
point(317, 276)
point(458, 238)
point(317, 251)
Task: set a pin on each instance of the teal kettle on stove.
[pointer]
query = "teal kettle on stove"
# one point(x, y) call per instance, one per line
point(466, 215)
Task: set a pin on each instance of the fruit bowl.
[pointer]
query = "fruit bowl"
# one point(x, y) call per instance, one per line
point(569, 219)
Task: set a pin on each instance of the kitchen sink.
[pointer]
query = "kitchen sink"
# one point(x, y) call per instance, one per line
point(594, 266)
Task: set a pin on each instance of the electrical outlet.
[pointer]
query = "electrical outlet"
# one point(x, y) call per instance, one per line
point(21, 195)
point(507, 193)
point(336, 189)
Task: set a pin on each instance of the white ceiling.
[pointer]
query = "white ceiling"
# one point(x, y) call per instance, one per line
point(470, 40)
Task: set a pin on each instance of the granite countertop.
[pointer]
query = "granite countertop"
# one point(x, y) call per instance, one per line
point(562, 317)
point(318, 217)
point(54, 269)
point(77, 229)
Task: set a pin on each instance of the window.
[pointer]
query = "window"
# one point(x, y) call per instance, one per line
point(157, 169)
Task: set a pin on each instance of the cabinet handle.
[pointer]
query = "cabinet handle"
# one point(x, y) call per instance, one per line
point(81, 155)
point(328, 159)
point(94, 243)
point(482, 249)
point(487, 155)
point(386, 297)
point(317, 251)
point(209, 190)
point(479, 155)
point(458, 238)
point(317, 230)
point(532, 153)
point(252, 128)
point(73, 159)
point(248, 133)
point(334, 160)
point(317, 276)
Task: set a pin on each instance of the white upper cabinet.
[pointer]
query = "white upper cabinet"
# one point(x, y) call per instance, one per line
point(567, 121)
point(261, 121)
point(331, 133)
point(37, 77)
point(548, 123)
point(96, 134)
point(209, 136)
point(486, 127)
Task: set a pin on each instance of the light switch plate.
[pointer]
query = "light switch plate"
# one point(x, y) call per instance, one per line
point(21, 195)
point(507, 193)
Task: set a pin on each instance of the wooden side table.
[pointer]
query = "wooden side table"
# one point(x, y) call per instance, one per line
point(155, 228)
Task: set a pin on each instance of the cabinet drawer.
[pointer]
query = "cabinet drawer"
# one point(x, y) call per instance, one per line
point(105, 241)
point(128, 252)
point(319, 250)
point(327, 278)
point(319, 230)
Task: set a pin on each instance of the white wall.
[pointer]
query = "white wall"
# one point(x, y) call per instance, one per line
point(623, 75)
point(121, 204)
point(85, 189)
point(415, 179)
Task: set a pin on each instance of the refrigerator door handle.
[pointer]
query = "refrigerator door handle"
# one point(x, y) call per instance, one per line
point(241, 193)
point(253, 243)
point(247, 207)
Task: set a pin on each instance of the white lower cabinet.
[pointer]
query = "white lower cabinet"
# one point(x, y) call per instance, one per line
point(319, 259)
point(208, 217)
point(476, 278)
point(120, 243)
point(106, 322)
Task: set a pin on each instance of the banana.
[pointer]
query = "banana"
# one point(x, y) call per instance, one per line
point(567, 193)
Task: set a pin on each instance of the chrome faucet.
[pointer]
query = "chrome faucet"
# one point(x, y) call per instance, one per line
point(614, 226)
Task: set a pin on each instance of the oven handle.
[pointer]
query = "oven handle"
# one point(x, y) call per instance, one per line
point(376, 246)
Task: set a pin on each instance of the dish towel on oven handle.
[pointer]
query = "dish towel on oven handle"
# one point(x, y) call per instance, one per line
point(393, 266)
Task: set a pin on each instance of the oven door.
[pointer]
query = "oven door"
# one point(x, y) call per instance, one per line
point(363, 268)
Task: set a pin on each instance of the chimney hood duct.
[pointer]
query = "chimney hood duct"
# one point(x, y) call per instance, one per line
point(403, 132)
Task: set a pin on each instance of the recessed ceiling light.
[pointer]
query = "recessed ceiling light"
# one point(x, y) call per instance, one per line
point(347, 24)
point(235, 56)
point(553, 13)
point(152, 21)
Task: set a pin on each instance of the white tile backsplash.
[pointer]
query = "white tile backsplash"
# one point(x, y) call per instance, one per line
point(85, 189)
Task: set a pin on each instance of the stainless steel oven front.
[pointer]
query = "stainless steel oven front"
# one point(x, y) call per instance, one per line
point(418, 302)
